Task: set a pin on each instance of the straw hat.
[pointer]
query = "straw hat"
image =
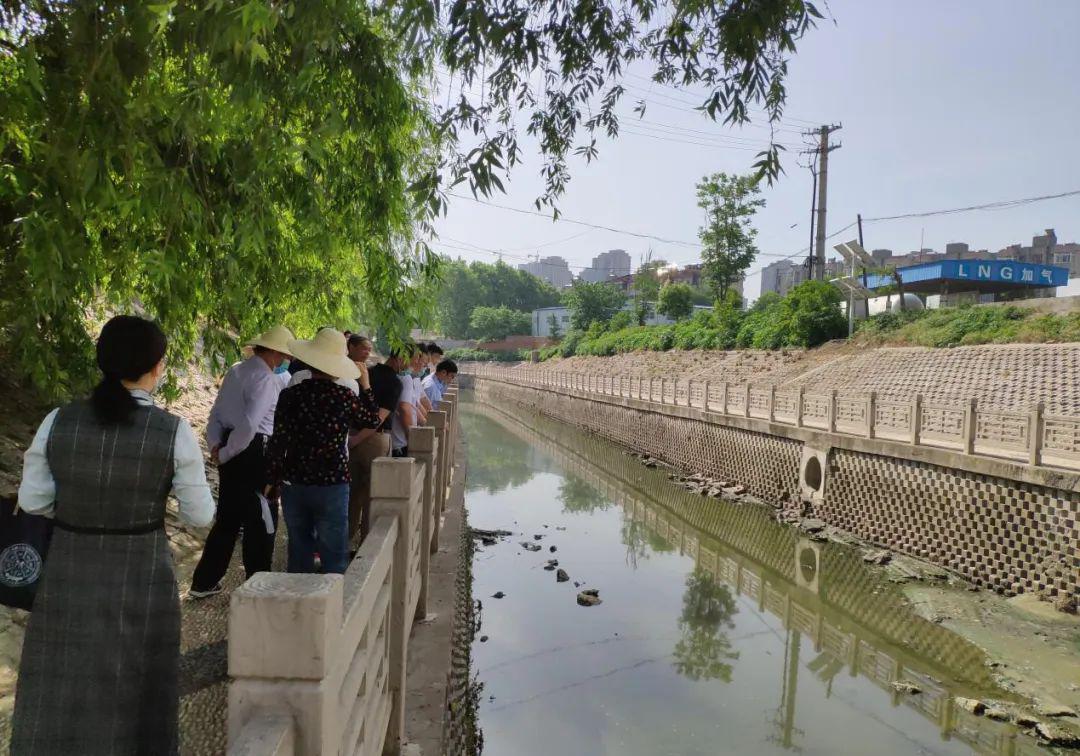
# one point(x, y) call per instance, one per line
point(277, 338)
point(326, 353)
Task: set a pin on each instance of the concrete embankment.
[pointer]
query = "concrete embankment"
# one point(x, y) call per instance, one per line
point(1005, 525)
point(1002, 376)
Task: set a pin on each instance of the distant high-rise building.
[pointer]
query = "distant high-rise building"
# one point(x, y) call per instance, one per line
point(610, 264)
point(782, 276)
point(555, 270)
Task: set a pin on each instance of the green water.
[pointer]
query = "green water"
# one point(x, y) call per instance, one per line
point(720, 632)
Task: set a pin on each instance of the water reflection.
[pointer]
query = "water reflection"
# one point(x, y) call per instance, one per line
point(495, 468)
point(704, 651)
point(659, 670)
point(578, 497)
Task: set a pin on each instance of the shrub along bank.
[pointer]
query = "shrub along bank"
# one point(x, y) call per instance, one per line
point(968, 326)
point(468, 354)
point(809, 315)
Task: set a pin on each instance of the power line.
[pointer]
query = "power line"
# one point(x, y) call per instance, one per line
point(687, 133)
point(552, 243)
point(787, 128)
point(626, 232)
point(779, 257)
point(675, 140)
point(792, 119)
point(564, 219)
point(1002, 204)
point(695, 106)
point(445, 76)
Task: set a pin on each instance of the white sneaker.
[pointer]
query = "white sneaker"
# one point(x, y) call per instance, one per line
point(194, 594)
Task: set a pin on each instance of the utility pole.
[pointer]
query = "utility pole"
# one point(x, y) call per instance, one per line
point(823, 149)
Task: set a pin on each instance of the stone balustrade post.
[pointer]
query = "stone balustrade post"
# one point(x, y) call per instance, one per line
point(772, 403)
point(831, 414)
point(282, 638)
point(798, 407)
point(970, 410)
point(424, 448)
point(437, 419)
point(916, 420)
point(391, 496)
point(871, 413)
point(723, 396)
point(451, 430)
point(705, 396)
point(746, 399)
point(652, 393)
point(1035, 434)
point(663, 390)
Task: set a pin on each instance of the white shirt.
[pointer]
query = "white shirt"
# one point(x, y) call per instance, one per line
point(399, 434)
point(37, 491)
point(244, 406)
point(302, 375)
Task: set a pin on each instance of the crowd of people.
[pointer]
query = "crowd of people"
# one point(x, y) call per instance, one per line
point(297, 424)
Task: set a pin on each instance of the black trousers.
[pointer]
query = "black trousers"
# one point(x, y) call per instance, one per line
point(241, 480)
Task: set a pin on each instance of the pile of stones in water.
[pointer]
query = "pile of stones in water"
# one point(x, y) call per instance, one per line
point(698, 483)
point(1045, 720)
point(587, 596)
point(702, 484)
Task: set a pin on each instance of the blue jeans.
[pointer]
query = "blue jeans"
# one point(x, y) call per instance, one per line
point(318, 521)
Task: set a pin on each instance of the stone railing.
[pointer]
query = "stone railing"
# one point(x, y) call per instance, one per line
point(1025, 435)
point(317, 662)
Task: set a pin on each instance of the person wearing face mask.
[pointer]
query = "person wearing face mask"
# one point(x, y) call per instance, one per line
point(100, 664)
point(420, 400)
point(368, 444)
point(238, 431)
point(405, 415)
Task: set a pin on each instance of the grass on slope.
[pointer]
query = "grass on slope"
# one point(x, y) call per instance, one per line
point(968, 325)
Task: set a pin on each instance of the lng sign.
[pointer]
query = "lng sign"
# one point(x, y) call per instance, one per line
point(975, 275)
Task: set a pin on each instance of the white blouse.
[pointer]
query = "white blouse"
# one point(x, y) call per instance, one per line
point(37, 491)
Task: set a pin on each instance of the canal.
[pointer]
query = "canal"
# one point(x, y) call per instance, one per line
point(719, 631)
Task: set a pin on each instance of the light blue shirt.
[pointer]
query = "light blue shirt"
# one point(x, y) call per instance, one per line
point(244, 406)
point(434, 388)
point(37, 491)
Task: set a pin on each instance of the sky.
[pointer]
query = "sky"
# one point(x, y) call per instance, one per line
point(943, 105)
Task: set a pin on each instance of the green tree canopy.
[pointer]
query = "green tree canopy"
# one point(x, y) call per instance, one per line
point(809, 315)
point(554, 326)
point(218, 166)
point(496, 323)
point(592, 303)
point(224, 165)
point(467, 286)
point(560, 66)
point(676, 301)
point(646, 289)
point(727, 238)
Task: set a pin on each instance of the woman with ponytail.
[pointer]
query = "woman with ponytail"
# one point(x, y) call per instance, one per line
point(100, 662)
